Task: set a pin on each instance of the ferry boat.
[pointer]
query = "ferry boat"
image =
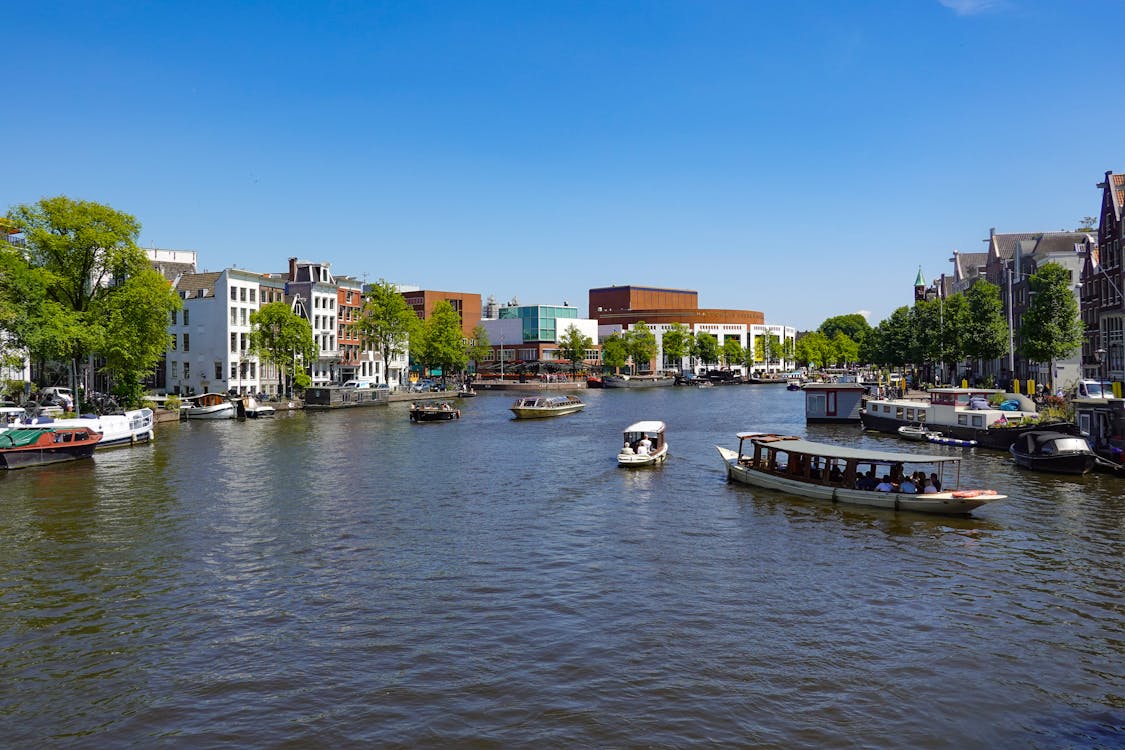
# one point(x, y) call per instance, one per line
point(820, 471)
point(22, 447)
point(538, 407)
point(438, 412)
point(961, 414)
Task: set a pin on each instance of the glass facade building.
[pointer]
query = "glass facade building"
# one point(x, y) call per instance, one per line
point(540, 322)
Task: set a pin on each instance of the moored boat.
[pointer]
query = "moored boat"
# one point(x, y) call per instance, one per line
point(209, 406)
point(251, 408)
point(436, 412)
point(1053, 452)
point(21, 447)
point(128, 428)
point(821, 471)
point(637, 381)
point(644, 444)
point(538, 407)
point(916, 432)
point(966, 414)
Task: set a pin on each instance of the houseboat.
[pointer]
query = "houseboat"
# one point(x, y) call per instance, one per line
point(1102, 421)
point(962, 414)
point(833, 402)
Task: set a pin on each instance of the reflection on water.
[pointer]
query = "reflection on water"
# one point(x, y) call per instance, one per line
point(351, 578)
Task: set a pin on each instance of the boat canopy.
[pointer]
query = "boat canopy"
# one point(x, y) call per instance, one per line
point(649, 426)
point(824, 450)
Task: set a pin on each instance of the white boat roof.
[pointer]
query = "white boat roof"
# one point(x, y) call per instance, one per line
point(826, 450)
point(647, 426)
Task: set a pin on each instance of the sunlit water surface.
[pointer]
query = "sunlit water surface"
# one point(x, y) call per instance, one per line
point(352, 579)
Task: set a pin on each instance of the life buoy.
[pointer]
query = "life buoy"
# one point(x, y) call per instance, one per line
point(963, 494)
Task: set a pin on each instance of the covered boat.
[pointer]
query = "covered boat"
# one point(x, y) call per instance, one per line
point(1054, 452)
point(128, 428)
point(21, 447)
point(636, 381)
point(441, 411)
point(854, 476)
point(644, 445)
point(537, 407)
point(209, 406)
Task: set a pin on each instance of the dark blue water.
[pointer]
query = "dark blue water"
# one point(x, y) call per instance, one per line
point(352, 579)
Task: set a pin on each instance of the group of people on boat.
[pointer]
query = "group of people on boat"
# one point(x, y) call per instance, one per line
point(911, 484)
point(641, 448)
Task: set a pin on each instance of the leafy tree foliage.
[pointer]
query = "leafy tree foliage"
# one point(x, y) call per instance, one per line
point(676, 343)
point(614, 352)
point(986, 330)
point(1051, 327)
point(573, 345)
point(441, 343)
point(83, 272)
point(732, 352)
point(854, 326)
point(478, 348)
point(706, 348)
point(386, 322)
point(894, 339)
point(281, 336)
point(640, 342)
point(844, 349)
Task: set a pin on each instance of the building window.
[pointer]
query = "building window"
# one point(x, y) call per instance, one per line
point(186, 316)
point(234, 294)
point(242, 294)
point(218, 371)
point(233, 370)
point(187, 343)
point(252, 293)
point(173, 317)
point(234, 316)
point(174, 369)
point(187, 371)
point(234, 342)
point(175, 341)
point(242, 316)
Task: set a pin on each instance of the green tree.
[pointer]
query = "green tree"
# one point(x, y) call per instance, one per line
point(706, 348)
point(614, 352)
point(767, 349)
point(442, 341)
point(732, 352)
point(986, 331)
point(83, 254)
point(573, 345)
point(854, 326)
point(676, 343)
point(386, 323)
point(1087, 224)
point(478, 347)
point(641, 345)
point(844, 349)
point(135, 340)
point(1051, 328)
point(895, 337)
point(281, 336)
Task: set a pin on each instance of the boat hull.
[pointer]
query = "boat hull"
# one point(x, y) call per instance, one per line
point(634, 461)
point(434, 414)
point(117, 430)
point(1072, 463)
point(941, 503)
point(227, 411)
point(535, 412)
point(637, 381)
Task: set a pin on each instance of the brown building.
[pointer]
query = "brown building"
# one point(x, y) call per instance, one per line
point(467, 306)
point(1103, 278)
point(625, 305)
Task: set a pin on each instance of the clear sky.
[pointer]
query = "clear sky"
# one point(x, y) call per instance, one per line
point(801, 158)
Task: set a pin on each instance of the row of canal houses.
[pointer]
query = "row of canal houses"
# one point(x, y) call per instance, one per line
point(210, 336)
point(1095, 264)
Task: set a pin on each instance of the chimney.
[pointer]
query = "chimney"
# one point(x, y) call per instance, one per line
point(292, 269)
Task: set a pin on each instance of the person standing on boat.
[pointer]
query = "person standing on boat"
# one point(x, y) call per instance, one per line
point(644, 446)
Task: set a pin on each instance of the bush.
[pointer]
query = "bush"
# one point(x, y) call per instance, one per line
point(173, 403)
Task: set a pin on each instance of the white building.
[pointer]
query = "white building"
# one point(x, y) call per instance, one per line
point(746, 335)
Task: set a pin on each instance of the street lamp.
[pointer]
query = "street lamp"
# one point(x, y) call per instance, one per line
point(1099, 357)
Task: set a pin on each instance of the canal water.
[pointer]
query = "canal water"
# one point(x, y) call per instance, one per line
point(350, 579)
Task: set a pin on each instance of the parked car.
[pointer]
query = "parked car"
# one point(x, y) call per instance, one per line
point(61, 396)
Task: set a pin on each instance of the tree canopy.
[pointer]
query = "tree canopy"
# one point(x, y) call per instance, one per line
point(853, 325)
point(706, 348)
point(281, 336)
point(1051, 327)
point(676, 343)
point(386, 322)
point(640, 342)
point(573, 345)
point(439, 341)
point(614, 351)
point(81, 285)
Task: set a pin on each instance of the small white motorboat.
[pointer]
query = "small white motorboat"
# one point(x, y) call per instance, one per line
point(917, 432)
point(209, 406)
point(644, 445)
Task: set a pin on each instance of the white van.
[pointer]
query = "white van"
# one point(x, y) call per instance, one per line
point(359, 384)
point(63, 393)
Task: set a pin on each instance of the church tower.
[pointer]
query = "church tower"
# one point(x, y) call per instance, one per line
point(919, 286)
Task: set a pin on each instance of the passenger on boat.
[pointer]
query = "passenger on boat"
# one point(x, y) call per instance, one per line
point(627, 448)
point(885, 485)
point(867, 481)
point(929, 489)
point(644, 446)
point(935, 481)
point(835, 475)
point(907, 486)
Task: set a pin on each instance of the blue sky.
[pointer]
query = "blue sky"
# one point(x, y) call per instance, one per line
point(798, 158)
